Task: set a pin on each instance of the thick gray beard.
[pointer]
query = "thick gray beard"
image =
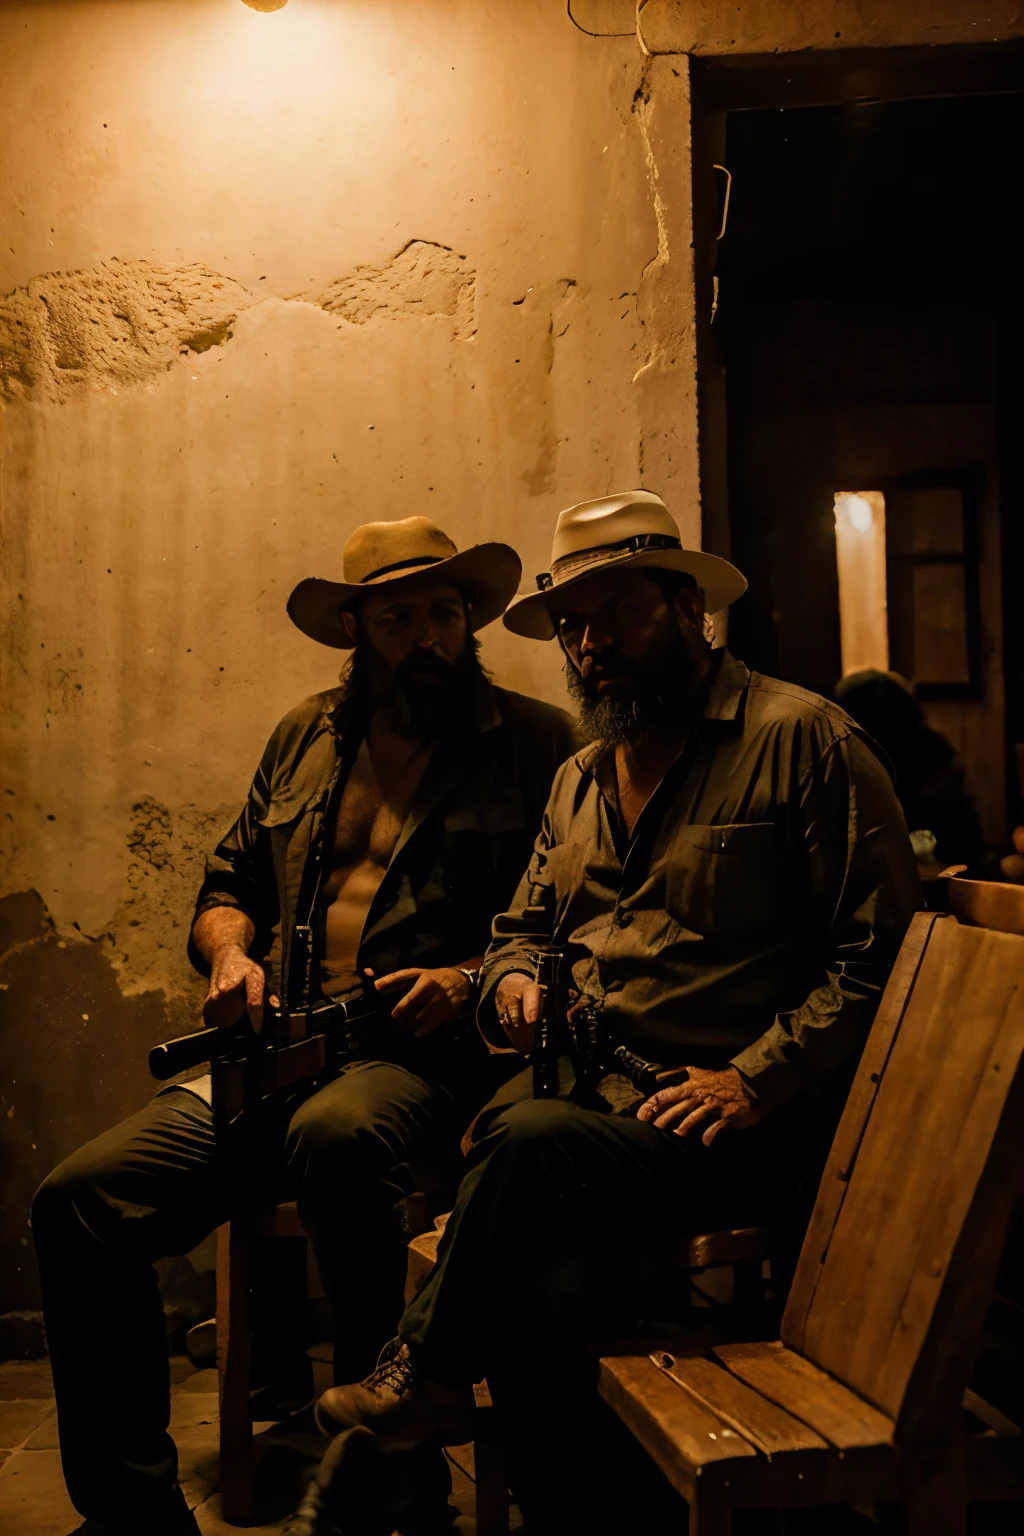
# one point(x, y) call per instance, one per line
point(663, 697)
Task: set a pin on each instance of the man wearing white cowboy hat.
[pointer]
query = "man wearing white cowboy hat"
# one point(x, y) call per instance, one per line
point(389, 819)
point(728, 876)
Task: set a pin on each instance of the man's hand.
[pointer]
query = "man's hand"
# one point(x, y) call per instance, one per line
point(708, 1101)
point(434, 999)
point(236, 987)
point(517, 1000)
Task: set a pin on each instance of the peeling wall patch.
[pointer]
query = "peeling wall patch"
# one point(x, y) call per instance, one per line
point(122, 323)
point(423, 279)
point(110, 326)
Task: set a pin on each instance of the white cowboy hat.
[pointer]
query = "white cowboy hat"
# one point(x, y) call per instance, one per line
point(378, 554)
point(630, 528)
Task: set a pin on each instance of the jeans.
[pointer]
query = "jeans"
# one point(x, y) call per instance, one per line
point(157, 1184)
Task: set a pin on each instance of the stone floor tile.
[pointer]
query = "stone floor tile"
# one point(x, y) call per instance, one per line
point(199, 1381)
point(33, 1499)
point(194, 1427)
point(44, 1438)
point(18, 1420)
point(194, 1410)
point(181, 1369)
point(212, 1522)
point(25, 1378)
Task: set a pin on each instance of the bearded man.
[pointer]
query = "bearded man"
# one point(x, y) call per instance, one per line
point(388, 821)
point(728, 873)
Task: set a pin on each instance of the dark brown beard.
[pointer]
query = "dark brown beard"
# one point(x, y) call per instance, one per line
point(424, 698)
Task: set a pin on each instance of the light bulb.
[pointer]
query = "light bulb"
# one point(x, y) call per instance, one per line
point(265, 5)
point(859, 511)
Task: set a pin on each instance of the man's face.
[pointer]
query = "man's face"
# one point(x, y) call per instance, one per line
point(632, 652)
point(414, 624)
point(415, 651)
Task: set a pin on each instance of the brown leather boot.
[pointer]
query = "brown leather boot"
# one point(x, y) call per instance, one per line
point(402, 1407)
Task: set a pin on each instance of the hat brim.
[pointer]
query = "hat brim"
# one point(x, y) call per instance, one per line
point(530, 615)
point(486, 574)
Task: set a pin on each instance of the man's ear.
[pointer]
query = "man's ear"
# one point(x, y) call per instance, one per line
point(689, 608)
point(351, 627)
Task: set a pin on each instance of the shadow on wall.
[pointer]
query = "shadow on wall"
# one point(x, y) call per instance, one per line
point(72, 1063)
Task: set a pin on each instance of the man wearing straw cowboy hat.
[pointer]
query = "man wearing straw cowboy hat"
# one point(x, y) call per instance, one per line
point(389, 819)
point(727, 872)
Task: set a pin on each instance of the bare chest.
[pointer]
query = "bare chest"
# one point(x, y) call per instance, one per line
point(375, 804)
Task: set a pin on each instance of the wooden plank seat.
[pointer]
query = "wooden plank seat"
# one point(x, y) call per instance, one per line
point(862, 1399)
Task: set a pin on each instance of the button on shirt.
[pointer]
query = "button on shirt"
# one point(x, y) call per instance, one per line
point(755, 913)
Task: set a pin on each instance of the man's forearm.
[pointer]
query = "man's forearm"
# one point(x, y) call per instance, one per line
point(221, 928)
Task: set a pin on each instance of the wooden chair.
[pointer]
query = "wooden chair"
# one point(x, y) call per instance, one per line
point(235, 1240)
point(863, 1397)
point(234, 1347)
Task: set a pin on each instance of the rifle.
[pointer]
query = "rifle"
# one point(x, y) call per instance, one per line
point(581, 1032)
point(547, 973)
point(594, 1053)
point(295, 1044)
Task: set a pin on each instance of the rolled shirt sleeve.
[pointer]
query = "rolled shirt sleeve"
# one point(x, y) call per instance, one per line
point(239, 871)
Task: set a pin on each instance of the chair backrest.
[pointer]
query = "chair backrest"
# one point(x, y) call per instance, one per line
point(893, 1278)
point(983, 903)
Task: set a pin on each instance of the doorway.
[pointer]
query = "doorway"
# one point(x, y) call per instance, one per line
point(867, 333)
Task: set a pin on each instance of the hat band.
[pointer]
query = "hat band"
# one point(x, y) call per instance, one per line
point(569, 566)
point(404, 565)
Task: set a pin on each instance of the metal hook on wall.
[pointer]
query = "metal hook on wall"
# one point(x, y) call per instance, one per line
point(728, 193)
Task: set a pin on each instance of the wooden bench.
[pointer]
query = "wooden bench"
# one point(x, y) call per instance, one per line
point(864, 1396)
point(744, 1250)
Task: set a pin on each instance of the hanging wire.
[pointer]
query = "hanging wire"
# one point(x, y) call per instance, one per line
point(586, 30)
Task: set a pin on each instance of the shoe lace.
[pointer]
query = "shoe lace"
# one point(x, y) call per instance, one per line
point(396, 1371)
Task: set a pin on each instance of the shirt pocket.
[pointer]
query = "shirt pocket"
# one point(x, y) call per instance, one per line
point(725, 881)
point(289, 822)
point(300, 782)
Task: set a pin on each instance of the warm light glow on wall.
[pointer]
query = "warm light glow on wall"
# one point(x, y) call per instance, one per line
point(860, 559)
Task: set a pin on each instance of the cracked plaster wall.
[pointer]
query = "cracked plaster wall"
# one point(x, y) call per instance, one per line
point(265, 277)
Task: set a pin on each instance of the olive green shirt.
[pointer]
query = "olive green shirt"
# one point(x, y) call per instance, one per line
point(755, 913)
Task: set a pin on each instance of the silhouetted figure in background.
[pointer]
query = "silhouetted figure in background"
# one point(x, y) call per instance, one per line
point(929, 781)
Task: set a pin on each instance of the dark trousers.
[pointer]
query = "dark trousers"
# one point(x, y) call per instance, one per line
point(160, 1182)
point(554, 1241)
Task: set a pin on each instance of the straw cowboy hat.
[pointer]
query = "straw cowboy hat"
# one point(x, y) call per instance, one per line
point(633, 528)
point(378, 554)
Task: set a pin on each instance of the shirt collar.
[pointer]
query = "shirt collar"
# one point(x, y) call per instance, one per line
point(728, 689)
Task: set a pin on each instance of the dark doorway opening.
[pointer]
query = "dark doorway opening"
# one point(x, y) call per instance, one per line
point(869, 329)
